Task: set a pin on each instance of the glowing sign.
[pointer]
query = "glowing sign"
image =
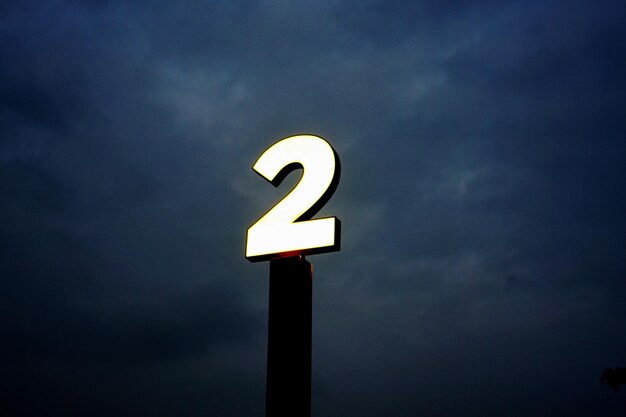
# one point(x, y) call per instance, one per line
point(286, 229)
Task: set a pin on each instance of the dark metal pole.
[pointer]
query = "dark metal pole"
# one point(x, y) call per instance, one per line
point(288, 389)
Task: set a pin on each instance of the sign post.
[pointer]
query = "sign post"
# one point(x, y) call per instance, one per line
point(288, 385)
point(284, 235)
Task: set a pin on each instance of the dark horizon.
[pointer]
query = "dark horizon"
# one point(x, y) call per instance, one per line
point(482, 267)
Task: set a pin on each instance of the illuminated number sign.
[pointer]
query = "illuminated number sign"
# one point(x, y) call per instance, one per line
point(287, 229)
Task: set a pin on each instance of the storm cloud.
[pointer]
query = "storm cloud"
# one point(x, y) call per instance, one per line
point(482, 204)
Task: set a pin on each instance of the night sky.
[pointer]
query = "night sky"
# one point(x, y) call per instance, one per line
point(482, 201)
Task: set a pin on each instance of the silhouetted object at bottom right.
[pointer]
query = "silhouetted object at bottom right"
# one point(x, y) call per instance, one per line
point(614, 377)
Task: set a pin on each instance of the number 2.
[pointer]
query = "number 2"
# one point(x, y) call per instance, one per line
point(287, 229)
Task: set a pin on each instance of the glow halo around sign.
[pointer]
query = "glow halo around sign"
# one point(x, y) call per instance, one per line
point(285, 229)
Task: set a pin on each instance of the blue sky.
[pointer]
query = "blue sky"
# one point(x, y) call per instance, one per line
point(482, 204)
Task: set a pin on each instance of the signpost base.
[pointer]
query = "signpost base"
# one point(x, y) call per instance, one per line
point(289, 338)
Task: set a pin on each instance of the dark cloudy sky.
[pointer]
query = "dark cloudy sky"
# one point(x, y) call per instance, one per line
point(482, 198)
